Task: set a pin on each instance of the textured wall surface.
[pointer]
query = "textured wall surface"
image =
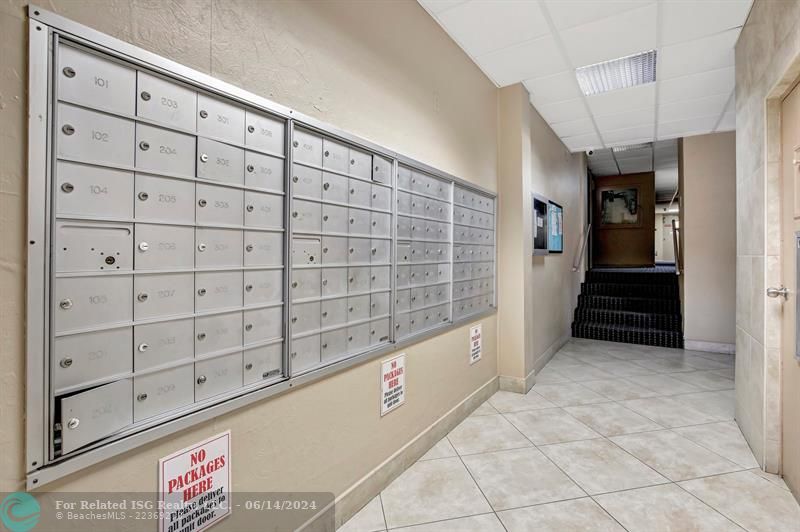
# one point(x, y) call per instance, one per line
point(382, 70)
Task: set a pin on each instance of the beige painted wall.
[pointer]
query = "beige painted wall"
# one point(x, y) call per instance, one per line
point(709, 233)
point(383, 70)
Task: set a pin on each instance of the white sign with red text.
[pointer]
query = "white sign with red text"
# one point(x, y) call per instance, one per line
point(474, 344)
point(393, 383)
point(194, 485)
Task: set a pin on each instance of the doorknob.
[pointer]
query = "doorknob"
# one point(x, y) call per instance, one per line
point(778, 292)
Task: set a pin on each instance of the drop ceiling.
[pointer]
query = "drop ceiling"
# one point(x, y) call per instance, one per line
point(541, 42)
point(660, 157)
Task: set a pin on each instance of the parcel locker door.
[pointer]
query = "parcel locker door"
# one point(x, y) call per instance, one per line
point(217, 290)
point(333, 312)
point(93, 246)
point(305, 353)
point(161, 199)
point(220, 119)
point(218, 248)
point(155, 344)
point(160, 247)
point(166, 294)
point(263, 286)
point(306, 181)
point(219, 205)
point(263, 363)
point(334, 344)
point(307, 147)
point(94, 414)
point(164, 151)
point(83, 358)
point(90, 80)
point(217, 375)
point(265, 132)
point(93, 191)
point(306, 283)
point(306, 250)
point(91, 301)
point(264, 211)
point(94, 137)
point(217, 332)
point(335, 187)
point(263, 171)
point(219, 162)
point(263, 324)
point(163, 391)
point(263, 249)
point(160, 100)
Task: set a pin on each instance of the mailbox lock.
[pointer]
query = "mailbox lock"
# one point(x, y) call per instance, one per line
point(327, 153)
point(325, 218)
point(67, 187)
point(143, 347)
point(352, 279)
point(203, 114)
point(324, 250)
point(350, 309)
point(65, 362)
point(250, 129)
point(351, 251)
point(324, 282)
point(325, 314)
point(294, 214)
point(374, 251)
point(295, 143)
point(201, 292)
point(69, 72)
point(201, 336)
point(202, 202)
point(326, 186)
point(294, 355)
point(374, 223)
point(204, 158)
point(294, 284)
point(325, 345)
point(144, 145)
point(73, 423)
point(144, 246)
point(249, 247)
point(65, 304)
point(143, 196)
point(201, 247)
point(251, 168)
point(145, 96)
point(349, 338)
point(141, 397)
point(248, 327)
point(201, 379)
point(142, 297)
point(352, 191)
point(295, 179)
point(249, 288)
point(294, 319)
point(374, 196)
point(68, 129)
point(397, 326)
point(352, 161)
point(352, 221)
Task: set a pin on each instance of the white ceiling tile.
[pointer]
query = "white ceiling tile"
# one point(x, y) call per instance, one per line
point(550, 89)
point(638, 117)
point(713, 105)
point(696, 86)
point(530, 59)
point(612, 37)
point(685, 128)
point(577, 12)
point(636, 153)
point(630, 135)
point(683, 20)
point(604, 171)
point(709, 53)
point(582, 142)
point(573, 127)
point(438, 6)
point(728, 122)
point(562, 111)
point(633, 166)
point(623, 100)
point(483, 26)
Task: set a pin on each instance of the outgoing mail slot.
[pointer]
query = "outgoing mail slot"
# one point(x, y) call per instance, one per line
point(218, 248)
point(160, 199)
point(163, 101)
point(214, 333)
point(404, 203)
point(381, 224)
point(358, 250)
point(155, 344)
point(381, 170)
point(94, 137)
point(305, 317)
point(334, 155)
point(357, 308)
point(402, 325)
point(381, 197)
point(90, 301)
point(379, 304)
point(333, 312)
point(263, 210)
point(358, 279)
point(379, 251)
point(220, 162)
point(403, 300)
point(93, 191)
point(404, 178)
point(307, 147)
point(263, 324)
point(164, 151)
point(263, 249)
point(306, 283)
point(360, 163)
point(168, 294)
point(263, 171)
point(93, 246)
point(160, 247)
point(334, 250)
point(219, 205)
point(334, 281)
point(306, 181)
point(359, 221)
point(305, 353)
point(334, 344)
point(89, 416)
point(360, 193)
point(95, 82)
point(263, 363)
point(306, 250)
point(218, 375)
point(217, 290)
point(403, 227)
point(334, 219)
point(357, 338)
point(263, 286)
point(216, 118)
point(163, 391)
point(335, 187)
point(378, 331)
point(83, 358)
point(264, 132)
point(403, 276)
point(306, 216)
point(379, 277)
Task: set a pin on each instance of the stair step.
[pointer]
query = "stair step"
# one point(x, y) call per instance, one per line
point(627, 334)
point(616, 276)
point(665, 322)
point(631, 304)
point(651, 291)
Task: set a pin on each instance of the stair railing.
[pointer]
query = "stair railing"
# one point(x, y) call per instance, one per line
point(576, 262)
point(676, 233)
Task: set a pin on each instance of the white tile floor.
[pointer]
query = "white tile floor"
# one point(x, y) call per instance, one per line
point(612, 437)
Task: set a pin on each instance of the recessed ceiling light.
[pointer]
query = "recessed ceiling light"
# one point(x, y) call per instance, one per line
point(621, 73)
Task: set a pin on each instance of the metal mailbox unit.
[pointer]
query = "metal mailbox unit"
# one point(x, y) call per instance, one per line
point(194, 247)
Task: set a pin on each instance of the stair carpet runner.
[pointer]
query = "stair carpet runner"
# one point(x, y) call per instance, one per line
point(634, 306)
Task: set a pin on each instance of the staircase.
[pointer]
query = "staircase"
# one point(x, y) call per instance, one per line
point(630, 305)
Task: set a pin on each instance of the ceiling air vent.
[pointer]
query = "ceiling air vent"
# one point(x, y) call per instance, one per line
point(621, 73)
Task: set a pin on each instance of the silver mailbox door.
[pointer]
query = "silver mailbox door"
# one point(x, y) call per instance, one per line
point(379, 304)
point(218, 332)
point(334, 155)
point(333, 312)
point(379, 331)
point(92, 301)
point(163, 391)
point(160, 199)
point(83, 358)
point(94, 137)
point(334, 281)
point(305, 353)
point(216, 118)
point(334, 344)
point(306, 216)
point(360, 163)
point(263, 249)
point(90, 80)
point(160, 343)
point(160, 100)
point(217, 290)
point(93, 191)
point(334, 219)
point(263, 363)
point(159, 295)
point(219, 162)
point(306, 283)
point(264, 132)
point(263, 324)
point(360, 193)
point(335, 187)
point(217, 375)
point(263, 286)
point(161, 247)
point(263, 171)
point(306, 181)
point(381, 170)
point(218, 248)
point(219, 205)
point(381, 197)
point(358, 338)
point(334, 250)
point(264, 211)
point(164, 151)
point(89, 416)
point(307, 147)
point(379, 278)
point(305, 317)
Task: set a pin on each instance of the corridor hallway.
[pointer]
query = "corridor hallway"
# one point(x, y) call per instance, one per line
point(612, 437)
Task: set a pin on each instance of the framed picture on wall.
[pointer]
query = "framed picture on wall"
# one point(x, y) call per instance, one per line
point(620, 207)
point(555, 241)
point(540, 225)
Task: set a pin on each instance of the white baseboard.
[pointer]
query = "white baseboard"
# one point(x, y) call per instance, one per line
point(709, 347)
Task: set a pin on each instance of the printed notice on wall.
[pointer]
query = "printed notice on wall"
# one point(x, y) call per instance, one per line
point(474, 344)
point(194, 485)
point(393, 383)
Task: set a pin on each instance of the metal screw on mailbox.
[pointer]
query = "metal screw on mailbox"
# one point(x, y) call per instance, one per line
point(202, 203)
point(204, 158)
point(203, 114)
point(201, 292)
point(249, 247)
point(201, 336)
point(145, 96)
point(65, 362)
point(69, 72)
point(65, 304)
point(144, 145)
point(141, 397)
point(73, 423)
point(143, 196)
point(250, 129)
point(68, 129)
point(201, 379)
point(142, 297)
point(67, 187)
point(201, 247)
point(143, 347)
point(251, 168)
point(250, 208)
point(248, 327)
